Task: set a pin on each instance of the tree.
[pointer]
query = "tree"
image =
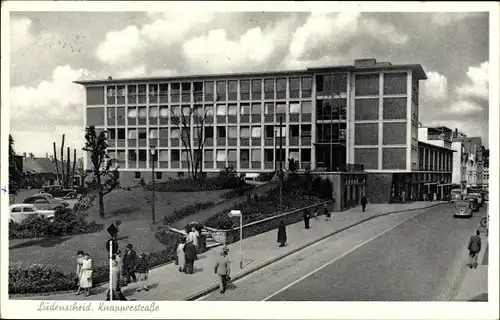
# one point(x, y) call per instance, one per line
point(15, 174)
point(100, 178)
point(191, 125)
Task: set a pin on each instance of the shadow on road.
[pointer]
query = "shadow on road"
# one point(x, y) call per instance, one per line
point(483, 297)
point(44, 243)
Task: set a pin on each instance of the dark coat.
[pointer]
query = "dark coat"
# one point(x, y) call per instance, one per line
point(306, 215)
point(282, 233)
point(190, 250)
point(326, 212)
point(474, 244)
point(130, 260)
point(364, 201)
point(142, 265)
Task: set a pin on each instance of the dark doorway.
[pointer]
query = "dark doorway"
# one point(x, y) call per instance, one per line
point(331, 156)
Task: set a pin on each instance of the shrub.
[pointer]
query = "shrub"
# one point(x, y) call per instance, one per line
point(197, 225)
point(189, 185)
point(265, 176)
point(326, 189)
point(221, 222)
point(236, 192)
point(38, 278)
point(228, 178)
point(316, 185)
point(187, 211)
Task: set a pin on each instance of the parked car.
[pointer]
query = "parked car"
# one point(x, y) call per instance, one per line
point(19, 212)
point(456, 194)
point(462, 209)
point(479, 196)
point(56, 190)
point(42, 202)
point(473, 202)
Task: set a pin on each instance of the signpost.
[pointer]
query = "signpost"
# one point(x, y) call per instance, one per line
point(112, 247)
point(237, 213)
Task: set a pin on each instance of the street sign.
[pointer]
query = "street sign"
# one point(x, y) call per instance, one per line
point(114, 245)
point(112, 230)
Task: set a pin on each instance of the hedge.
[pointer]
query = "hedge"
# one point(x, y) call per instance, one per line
point(187, 211)
point(236, 192)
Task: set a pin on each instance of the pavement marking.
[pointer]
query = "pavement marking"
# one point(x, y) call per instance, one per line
point(341, 256)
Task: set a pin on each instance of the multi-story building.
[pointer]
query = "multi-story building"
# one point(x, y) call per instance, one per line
point(472, 160)
point(366, 114)
point(486, 177)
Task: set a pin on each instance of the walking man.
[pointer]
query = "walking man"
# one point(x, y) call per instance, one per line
point(306, 215)
point(190, 256)
point(222, 269)
point(282, 234)
point(326, 212)
point(363, 202)
point(130, 263)
point(474, 247)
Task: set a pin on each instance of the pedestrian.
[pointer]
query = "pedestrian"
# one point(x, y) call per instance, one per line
point(474, 248)
point(403, 196)
point(190, 256)
point(193, 237)
point(117, 292)
point(223, 269)
point(130, 263)
point(181, 257)
point(86, 274)
point(316, 213)
point(282, 234)
point(326, 212)
point(363, 203)
point(434, 197)
point(306, 215)
point(142, 272)
point(119, 262)
point(79, 261)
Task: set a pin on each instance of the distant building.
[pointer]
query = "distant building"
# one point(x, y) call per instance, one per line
point(473, 159)
point(486, 177)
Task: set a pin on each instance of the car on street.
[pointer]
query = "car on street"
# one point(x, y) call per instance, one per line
point(43, 202)
point(57, 190)
point(473, 202)
point(462, 208)
point(456, 194)
point(479, 196)
point(19, 212)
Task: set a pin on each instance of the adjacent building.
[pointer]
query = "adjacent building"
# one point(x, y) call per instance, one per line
point(472, 160)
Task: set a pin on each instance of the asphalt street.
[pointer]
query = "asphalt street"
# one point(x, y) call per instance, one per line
point(411, 256)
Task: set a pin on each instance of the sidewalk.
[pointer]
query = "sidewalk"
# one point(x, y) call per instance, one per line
point(167, 283)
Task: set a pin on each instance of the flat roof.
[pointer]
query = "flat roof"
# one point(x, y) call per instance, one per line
point(434, 146)
point(416, 68)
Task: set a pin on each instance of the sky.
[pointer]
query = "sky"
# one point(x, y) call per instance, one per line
point(50, 50)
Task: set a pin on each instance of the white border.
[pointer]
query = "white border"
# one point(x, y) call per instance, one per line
point(266, 310)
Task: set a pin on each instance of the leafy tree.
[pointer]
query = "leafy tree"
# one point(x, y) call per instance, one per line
point(228, 177)
point(15, 174)
point(100, 177)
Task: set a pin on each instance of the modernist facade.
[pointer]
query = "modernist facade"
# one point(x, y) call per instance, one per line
point(365, 114)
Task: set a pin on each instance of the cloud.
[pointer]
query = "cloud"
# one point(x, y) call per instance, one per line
point(326, 60)
point(119, 47)
point(164, 73)
point(384, 32)
point(436, 86)
point(215, 52)
point(20, 33)
point(139, 71)
point(446, 18)
point(465, 107)
point(479, 82)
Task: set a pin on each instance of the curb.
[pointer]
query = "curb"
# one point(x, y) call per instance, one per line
point(271, 261)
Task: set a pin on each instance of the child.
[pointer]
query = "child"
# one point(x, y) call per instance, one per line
point(142, 272)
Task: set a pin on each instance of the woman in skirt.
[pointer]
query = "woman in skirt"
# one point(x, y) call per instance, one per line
point(86, 274)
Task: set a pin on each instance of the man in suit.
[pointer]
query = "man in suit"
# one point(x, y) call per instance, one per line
point(364, 201)
point(190, 256)
point(222, 269)
point(474, 247)
point(130, 263)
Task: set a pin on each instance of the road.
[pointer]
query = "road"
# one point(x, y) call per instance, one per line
point(411, 256)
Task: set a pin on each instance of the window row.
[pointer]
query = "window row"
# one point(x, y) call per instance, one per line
point(433, 160)
point(331, 84)
point(392, 158)
point(366, 134)
point(331, 132)
point(392, 109)
point(331, 109)
point(369, 84)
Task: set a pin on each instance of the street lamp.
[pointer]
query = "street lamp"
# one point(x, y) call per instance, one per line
point(152, 149)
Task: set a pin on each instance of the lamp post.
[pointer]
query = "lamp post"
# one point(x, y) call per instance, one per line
point(153, 154)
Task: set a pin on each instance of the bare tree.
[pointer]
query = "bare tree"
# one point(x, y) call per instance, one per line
point(63, 178)
point(55, 160)
point(193, 142)
point(73, 171)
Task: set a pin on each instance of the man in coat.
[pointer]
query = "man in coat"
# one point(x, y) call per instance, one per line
point(130, 263)
point(117, 292)
point(474, 247)
point(282, 234)
point(326, 212)
point(222, 269)
point(363, 203)
point(190, 256)
point(306, 215)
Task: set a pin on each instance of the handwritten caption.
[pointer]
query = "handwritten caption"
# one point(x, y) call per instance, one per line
point(101, 306)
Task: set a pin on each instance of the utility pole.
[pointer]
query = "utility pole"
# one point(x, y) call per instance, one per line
point(281, 163)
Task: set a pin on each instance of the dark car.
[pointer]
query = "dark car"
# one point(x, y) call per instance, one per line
point(57, 191)
point(473, 202)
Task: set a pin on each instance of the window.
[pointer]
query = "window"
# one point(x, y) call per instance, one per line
point(209, 110)
point(198, 91)
point(159, 175)
point(132, 155)
point(366, 134)
point(176, 92)
point(121, 133)
point(95, 96)
point(256, 132)
point(142, 134)
point(366, 109)
point(95, 116)
point(233, 90)
point(256, 155)
point(232, 155)
point(268, 155)
point(233, 110)
point(394, 158)
point(244, 155)
point(153, 133)
point(269, 132)
point(176, 111)
point(245, 132)
point(305, 155)
point(394, 108)
point(163, 133)
point(142, 93)
point(175, 155)
point(306, 87)
point(269, 108)
point(198, 110)
point(142, 155)
point(281, 108)
point(294, 131)
point(153, 112)
point(269, 89)
point(280, 133)
point(142, 112)
point(256, 89)
point(186, 111)
point(306, 130)
point(306, 107)
point(153, 89)
point(121, 95)
point(256, 108)
point(367, 85)
point(111, 113)
point(294, 107)
point(209, 155)
point(293, 154)
point(221, 132)
point(221, 90)
point(395, 83)
point(209, 132)
point(232, 132)
point(245, 89)
point(186, 91)
point(137, 175)
point(132, 133)
point(367, 157)
point(245, 108)
point(132, 113)
point(164, 92)
point(294, 88)
point(221, 109)
point(339, 107)
point(184, 155)
point(221, 156)
point(281, 88)
point(163, 112)
point(18, 209)
point(174, 133)
point(209, 91)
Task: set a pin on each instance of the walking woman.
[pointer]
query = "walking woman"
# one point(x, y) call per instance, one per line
point(79, 260)
point(86, 274)
point(142, 272)
point(282, 234)
point(181, 256)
